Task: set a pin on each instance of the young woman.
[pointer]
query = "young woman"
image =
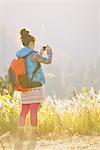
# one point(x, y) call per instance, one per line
point(32, 99)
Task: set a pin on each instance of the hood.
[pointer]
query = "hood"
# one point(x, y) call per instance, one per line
point(24, 52)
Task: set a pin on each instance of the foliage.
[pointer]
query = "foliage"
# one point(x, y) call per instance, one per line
point(80, 115)
point(5, 86)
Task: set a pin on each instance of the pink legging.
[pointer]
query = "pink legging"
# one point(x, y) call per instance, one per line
point(34, 107)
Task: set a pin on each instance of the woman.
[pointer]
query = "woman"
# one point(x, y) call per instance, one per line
point(31, 100)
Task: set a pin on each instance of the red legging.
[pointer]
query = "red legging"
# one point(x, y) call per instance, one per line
point(34, 107)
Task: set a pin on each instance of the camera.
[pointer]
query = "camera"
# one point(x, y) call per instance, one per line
point(44, 47)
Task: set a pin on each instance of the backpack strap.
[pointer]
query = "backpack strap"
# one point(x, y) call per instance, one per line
point(38, 66)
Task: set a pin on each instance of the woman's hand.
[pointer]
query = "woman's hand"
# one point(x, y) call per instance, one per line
point(42, 51)
point(48, 48)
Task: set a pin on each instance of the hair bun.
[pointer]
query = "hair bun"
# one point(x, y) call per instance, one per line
point(24, 32)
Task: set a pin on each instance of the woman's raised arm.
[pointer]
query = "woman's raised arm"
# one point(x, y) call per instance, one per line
point(39, 58)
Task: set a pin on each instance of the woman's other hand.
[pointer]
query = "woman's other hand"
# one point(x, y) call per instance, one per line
point(48, 48)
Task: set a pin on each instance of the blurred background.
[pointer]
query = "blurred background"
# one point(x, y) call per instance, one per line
point(70, 27)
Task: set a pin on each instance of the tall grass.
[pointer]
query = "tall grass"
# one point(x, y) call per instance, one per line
point(79, 115)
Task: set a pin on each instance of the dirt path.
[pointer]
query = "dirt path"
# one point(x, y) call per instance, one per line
point(74, 143)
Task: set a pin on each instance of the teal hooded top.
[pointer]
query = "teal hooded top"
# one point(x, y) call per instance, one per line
point(31, 62)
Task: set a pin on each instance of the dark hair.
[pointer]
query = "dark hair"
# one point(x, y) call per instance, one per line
point(26, 37)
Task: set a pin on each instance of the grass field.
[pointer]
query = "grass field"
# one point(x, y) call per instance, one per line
point(75, 120)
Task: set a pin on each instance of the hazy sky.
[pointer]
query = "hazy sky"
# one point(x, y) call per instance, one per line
point(71, 27)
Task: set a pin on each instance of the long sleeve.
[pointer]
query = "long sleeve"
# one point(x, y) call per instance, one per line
point(39, 58)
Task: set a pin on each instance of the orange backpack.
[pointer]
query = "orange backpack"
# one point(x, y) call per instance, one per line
point(18, 75)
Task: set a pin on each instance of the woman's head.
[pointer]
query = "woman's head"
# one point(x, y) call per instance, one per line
point(27, 39)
